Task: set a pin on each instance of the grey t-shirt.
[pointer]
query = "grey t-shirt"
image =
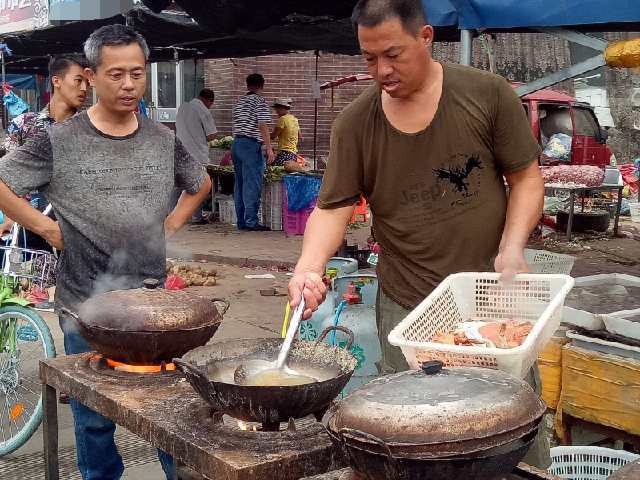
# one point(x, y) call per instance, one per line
point(194, 123)
point(111, 196)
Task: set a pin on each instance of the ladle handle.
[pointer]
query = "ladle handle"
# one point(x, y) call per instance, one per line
point(357, 435)
point(349, 333)
point(223, 302)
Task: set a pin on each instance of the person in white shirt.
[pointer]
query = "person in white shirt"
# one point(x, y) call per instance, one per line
point(195, 128)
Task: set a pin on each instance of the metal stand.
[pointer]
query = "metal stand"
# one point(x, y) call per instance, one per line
point(582, 191)
point(50, 427)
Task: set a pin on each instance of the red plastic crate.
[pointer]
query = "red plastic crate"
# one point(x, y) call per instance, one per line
point(294, 223)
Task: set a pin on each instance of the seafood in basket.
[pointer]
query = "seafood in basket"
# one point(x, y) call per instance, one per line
point(497, 334)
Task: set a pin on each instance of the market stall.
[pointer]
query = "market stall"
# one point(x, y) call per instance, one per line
point(591, 367)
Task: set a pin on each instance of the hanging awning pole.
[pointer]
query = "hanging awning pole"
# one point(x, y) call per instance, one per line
point(315, 120)
point(466, 47)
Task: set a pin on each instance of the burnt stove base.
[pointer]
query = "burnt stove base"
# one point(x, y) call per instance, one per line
point(164, 410)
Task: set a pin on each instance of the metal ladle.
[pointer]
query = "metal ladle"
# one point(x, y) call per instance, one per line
point(251, 368)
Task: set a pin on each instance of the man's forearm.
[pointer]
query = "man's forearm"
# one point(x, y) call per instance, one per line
point(187, 205)
point(21, 211)
point(526, 201)
point(323, 236)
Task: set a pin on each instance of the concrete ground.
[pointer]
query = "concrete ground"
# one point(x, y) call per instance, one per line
point(235, 254)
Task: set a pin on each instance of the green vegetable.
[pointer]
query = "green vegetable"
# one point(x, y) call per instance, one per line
point(224, 143)
point(271, 174)
point(274, 174)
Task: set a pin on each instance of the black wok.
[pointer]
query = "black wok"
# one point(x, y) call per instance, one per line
point(212, 376)
point(374, 465)
point(147, 346)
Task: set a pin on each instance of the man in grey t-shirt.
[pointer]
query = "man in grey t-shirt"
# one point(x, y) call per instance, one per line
point(109, 174)
point(195, 128)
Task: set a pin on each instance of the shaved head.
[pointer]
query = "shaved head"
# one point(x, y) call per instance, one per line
point(371, 13)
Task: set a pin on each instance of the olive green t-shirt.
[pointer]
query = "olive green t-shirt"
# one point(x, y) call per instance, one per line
point(437, 196)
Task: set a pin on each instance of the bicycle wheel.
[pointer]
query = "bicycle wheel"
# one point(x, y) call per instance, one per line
point(26, 340)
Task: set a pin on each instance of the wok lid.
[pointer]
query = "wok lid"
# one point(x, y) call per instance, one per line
point(149, 308)
point(437, 406)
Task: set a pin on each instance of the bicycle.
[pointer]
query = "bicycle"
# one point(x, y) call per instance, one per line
point(25, 339)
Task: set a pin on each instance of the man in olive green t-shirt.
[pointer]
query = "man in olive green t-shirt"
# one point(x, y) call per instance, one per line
point(429, 146)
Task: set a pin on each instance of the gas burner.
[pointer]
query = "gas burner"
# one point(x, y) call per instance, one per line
point(140, 369)
point(103, 364)
point(291, 426)
point(250, 436)
point(94, 365)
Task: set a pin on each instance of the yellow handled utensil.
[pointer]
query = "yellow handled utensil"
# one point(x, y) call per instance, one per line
point(285, 321)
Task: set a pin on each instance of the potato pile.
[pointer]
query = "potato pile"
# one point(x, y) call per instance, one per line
point(193, 275)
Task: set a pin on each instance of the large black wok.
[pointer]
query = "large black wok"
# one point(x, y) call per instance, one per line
point(374, 465)
point(212, 376)
point(147, 325)
point(436, 424)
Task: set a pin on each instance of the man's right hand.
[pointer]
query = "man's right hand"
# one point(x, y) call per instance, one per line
point(310, 285)
point(271, 156)
point(53, 235)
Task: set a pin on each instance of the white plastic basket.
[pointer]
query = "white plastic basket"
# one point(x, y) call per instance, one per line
point(272, 205)
point(482, 296)
point(542, 261)
point(588, 463)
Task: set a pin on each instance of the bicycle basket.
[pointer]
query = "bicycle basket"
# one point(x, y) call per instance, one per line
point(30, 267)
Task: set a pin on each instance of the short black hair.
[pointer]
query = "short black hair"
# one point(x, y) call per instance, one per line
point(111, 36)
point(207, 94)
point(59, 65)
point(371, 13)
point(255, 80)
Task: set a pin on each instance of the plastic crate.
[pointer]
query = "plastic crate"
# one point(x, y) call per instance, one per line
point(294, 223)
point(272, 205)
point(542, 261)
point(227, 209)
point(482, 296)
point(635, 212)
point(588, 463)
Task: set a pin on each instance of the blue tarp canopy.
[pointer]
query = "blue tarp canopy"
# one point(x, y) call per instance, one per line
point(22, 82)
point(242, 28)
point(441, 13)
point(525, 14)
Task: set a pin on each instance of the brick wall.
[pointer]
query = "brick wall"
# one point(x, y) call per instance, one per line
point(519, 57)
point(287, 76)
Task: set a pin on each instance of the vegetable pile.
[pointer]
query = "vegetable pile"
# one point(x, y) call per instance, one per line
point(190, 275)
point(224, 142)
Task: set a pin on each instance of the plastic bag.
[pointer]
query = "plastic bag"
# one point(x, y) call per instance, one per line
point(175, 282)
point(559, 147)
point(302, 191)
point(14, 104)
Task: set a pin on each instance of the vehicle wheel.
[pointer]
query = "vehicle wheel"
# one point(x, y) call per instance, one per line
point(28, 341)
point(594, 221)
